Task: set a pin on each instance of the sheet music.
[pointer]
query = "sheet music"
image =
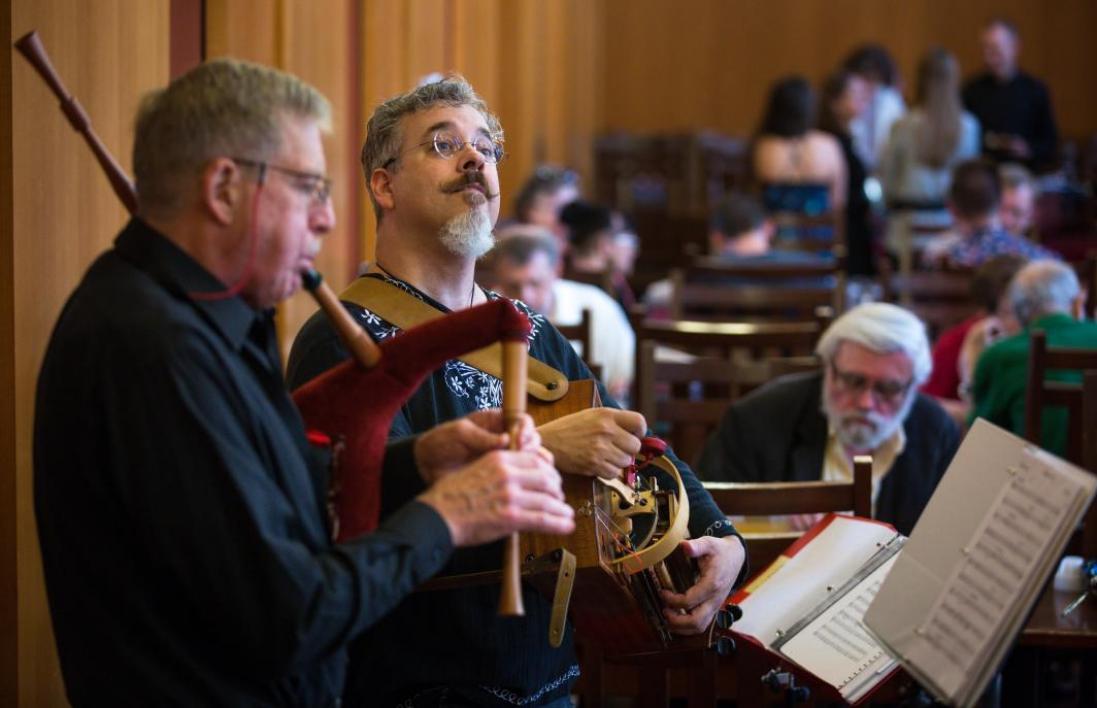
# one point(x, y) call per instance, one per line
point(835, 646)
point(800, 584)
point(983, 592)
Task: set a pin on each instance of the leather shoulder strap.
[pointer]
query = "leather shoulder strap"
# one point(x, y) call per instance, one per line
point(404, 310)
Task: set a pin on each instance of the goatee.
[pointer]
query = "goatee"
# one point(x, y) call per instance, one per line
point(468, 235)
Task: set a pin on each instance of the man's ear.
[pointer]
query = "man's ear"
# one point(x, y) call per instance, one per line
point(380, 184)
point(221, 189)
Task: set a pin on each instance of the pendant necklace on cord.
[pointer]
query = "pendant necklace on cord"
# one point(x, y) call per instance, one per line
point(472, 294)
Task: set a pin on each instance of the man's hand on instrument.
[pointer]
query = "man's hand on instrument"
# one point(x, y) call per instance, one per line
point(446, 447)
point(720, 560)
point(597, 442)
point(499, 493)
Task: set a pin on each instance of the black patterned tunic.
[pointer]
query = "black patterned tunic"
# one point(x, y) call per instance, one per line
point(452, 642)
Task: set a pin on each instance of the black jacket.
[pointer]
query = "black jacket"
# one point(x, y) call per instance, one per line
point(779, 433)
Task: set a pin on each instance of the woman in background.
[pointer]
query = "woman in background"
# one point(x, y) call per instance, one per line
point(924, 146)
point(788, 150)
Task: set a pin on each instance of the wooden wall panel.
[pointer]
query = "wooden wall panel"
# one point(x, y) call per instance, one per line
point(59, 213)
point(302, 38)
point(9, 439)
point(709, 63)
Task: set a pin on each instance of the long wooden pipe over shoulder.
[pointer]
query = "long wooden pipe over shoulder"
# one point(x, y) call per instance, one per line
point(30, 46)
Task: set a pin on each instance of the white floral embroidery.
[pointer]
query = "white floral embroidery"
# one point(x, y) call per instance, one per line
point(514, 699)
point(536, 319)
point(466, 381)
point(369, 318)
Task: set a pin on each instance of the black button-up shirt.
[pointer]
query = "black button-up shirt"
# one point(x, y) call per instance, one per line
point(180, 508)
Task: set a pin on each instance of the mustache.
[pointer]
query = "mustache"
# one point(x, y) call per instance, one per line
point(470, 177)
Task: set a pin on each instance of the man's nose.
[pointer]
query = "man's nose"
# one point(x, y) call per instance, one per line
point(470, 158)
point(866, 399)
point(322, 217)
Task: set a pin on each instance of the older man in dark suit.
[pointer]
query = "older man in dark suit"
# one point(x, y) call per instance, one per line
point(865, 401)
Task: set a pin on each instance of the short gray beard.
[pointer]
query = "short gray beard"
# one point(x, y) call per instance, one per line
point(468, 235)
point(860, 437)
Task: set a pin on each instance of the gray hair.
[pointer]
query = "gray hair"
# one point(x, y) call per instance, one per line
point(1041, 288)
point(383, 135)
point(884, 329)
point(520, 242)
point(222, 108)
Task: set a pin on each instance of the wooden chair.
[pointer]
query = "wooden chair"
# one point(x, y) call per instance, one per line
point(1080, 401)
point(774, 272)
point(733, 342)
point(941, 298)
point(602, 280)
point(751, 299)
point(580, 334)
point(779, 498)
point(683, 401)
point(1041, 392)
point(738, 677)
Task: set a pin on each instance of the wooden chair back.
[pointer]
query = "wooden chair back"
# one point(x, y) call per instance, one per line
point(751, 296)
point(1080, 401)
point(1041, 393)
point(776, 498)
point(579, 333)
point(730, 341)
point(941, 298)
point(684, 401)
point(602, 280)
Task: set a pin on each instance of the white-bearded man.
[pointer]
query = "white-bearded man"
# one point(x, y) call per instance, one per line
point(865, 401)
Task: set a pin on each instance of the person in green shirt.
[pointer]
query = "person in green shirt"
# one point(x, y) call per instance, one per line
point(1044, 295)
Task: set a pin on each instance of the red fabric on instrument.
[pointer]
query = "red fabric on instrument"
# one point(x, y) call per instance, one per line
point(358, 406)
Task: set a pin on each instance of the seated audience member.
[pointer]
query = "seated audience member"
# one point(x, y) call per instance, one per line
point(740, 233)
point(788, 149)
point(924, 146)
point(871, 127)
point(845, 96)
point(1044, 295)
point(541, 198)
point(740, 230)
point(973, 199)
point(1017, 212)
point(1013, 107)
point(805, 427)
point(522, 266)
point(592, 252)
point(989, 288)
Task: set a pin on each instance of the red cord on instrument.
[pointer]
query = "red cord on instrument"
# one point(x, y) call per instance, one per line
point(249, 264)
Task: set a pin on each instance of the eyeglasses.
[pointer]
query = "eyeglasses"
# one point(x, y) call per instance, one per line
point(446, 145)
point(316, 187)
point(886, 392)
